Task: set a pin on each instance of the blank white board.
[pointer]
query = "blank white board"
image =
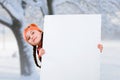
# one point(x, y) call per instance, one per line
point(70, 43)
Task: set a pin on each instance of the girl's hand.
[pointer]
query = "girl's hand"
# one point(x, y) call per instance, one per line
point(41, 52)
point(100, 47)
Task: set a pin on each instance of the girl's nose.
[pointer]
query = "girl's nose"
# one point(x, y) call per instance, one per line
point(31, 37)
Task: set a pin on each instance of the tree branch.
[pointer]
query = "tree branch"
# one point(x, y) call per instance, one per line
point(42, 4)
point(5, 21)
point(44, 7)
point(11, 10)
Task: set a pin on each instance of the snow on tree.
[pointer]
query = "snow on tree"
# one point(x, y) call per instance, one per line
point(18, 14)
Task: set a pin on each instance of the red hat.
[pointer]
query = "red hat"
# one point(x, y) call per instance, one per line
point(31, 27)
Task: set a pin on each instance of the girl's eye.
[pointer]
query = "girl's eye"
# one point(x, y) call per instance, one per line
point(28, 38)
point(32, 32)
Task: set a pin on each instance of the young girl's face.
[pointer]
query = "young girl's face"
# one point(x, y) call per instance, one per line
point(33, 37)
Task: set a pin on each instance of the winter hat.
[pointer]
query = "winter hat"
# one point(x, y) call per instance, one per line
point(31, 27)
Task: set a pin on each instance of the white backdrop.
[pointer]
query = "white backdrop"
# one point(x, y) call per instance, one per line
point(70, 43)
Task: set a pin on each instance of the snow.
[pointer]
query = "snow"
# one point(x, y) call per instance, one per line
point(110, 66)
point(10, 64)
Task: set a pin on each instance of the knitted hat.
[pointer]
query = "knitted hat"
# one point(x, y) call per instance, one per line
point(31, 27)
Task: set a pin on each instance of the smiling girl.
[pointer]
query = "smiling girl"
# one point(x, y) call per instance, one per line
point(34, 35)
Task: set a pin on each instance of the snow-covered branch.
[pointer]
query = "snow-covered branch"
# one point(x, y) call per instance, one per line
point(12, 10)
point(5, 21)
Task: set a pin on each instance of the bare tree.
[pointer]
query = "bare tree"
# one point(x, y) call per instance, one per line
point(17, 21)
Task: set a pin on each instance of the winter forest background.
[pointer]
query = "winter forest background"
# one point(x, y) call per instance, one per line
point(16, 61)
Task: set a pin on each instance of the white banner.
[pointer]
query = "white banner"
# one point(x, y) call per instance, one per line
point(70, 43)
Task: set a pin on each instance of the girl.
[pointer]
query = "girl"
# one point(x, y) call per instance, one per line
point(34, 36)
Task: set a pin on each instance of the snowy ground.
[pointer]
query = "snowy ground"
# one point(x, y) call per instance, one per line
point(10, 66)
point(9, 61)
point(110, 65)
